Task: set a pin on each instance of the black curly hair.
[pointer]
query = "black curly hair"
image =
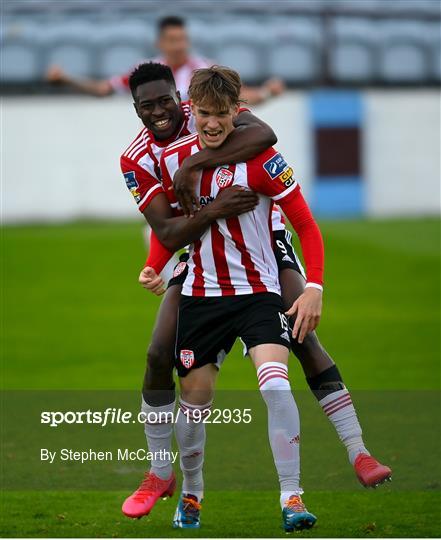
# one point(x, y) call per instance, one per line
point(148, 72)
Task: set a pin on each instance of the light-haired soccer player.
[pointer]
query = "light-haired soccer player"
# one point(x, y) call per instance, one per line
point(232, 290)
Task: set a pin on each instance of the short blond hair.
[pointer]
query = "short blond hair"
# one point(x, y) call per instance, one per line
point(218, 86)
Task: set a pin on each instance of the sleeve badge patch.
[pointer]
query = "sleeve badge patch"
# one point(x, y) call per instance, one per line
point(278, 169)
point(132, 185)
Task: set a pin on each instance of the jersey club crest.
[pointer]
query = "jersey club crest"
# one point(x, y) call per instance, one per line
point(187, 358)
point(224, 177)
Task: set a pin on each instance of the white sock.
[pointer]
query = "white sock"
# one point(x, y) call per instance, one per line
point(159, 431)
point(283, 425)
point(190, 436)
point(340, 411)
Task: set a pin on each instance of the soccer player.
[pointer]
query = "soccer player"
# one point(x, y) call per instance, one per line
point(174, 45)
point(140, 165)
point(322, 374)
point(232, 290)
point(165, 119)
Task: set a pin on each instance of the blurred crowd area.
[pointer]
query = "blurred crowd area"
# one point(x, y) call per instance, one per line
point(302, 42)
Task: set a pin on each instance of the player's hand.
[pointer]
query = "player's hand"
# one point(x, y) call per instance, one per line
point(232, 201)
point(55, 75)
point(184, 184)
point(308, 307)
point(150, 280)
point(275, 86)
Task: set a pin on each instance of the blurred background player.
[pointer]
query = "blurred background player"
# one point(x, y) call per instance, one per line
point(174, 45)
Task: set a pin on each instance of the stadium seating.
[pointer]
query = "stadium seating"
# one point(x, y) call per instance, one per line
point(116, 58)
point(242, 55)
point(295, 61)
point(20, 61)
point(294, 48)
point(403, 62)
point(359, 42)
point(436, 61)
point(77, 57)
point(353, 53)
point(404, 51)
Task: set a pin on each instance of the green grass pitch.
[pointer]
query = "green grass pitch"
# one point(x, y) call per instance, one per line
point(74, 318)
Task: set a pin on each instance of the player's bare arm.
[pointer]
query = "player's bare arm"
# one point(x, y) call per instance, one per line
point(251, 137)
point(176, 232)
point(98, 88)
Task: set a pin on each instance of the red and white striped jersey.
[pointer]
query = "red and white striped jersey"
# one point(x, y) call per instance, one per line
point(140, 165)
point(140, 162)
point(234, 256)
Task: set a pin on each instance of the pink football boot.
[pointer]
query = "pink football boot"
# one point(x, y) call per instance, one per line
point(141, 502)
point(370, 472)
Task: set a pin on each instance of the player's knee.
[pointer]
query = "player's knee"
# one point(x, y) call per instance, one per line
point(159, 359)
point(310, 349)
point(328, 379)
point(196, 394)
point(273, 382)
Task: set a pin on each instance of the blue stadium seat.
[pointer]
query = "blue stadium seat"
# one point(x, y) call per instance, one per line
point(405, 51)
point(431, 7)
point(423, 31)
point(367, 6)
point(307, 29)
point(59, 28)
point(76, 57)
point(238, 44)
point(293, 45)
point(20, 61)
point(436, 61)
point(20, 28)
point(353, 55)
point(352, 61)
point(116, 58)
point(243, 55)
point(126, 29)
point(404, 61)
point(294, 61)
point(355, 27)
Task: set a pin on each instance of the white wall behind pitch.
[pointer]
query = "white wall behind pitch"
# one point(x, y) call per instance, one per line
point(401, 152)
point(60, 155)
point(61, 158)
point(288, 115)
